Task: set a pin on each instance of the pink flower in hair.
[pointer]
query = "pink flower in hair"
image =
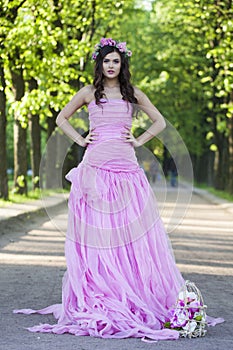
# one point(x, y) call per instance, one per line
point(111, 42)
point(121, 47)
point(94, 56)
point(103, 42)
point(107, 42)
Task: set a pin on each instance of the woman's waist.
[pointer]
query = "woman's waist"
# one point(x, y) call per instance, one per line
point(110, 131)
point(111, 152)
point(112, 164)
point(107, 143)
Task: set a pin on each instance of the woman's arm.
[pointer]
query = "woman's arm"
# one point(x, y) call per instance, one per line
point(158, 120)
point(82, 97)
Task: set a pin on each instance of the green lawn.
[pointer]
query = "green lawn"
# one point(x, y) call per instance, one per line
point(32, 195)
point(218, 193)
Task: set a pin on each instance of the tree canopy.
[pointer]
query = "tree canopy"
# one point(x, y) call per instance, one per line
point(181, 58)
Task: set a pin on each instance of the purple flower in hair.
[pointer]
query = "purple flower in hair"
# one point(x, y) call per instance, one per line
point(111, 42)
point(107, 42)
point(121, 46)
point(103, 42)
point(94, 56)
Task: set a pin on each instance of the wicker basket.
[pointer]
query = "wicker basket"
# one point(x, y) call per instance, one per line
point(193, 312)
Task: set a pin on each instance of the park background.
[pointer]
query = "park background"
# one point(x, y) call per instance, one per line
point(182, 59)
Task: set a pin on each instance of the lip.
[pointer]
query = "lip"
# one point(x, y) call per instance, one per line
point(110, 71)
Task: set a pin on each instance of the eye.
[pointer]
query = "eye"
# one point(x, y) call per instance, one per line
point(116, 61)
point(106, 60)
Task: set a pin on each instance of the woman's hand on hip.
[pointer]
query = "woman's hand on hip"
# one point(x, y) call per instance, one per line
point(91, 137)
point(128, 136)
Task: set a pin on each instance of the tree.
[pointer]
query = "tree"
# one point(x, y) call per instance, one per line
point(10, 13)
point(35, 135)
point(189, 50)
point(3, 120)
point(46, 47)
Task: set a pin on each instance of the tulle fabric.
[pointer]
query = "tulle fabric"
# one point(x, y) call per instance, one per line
point(116, 293)
point(121, 276)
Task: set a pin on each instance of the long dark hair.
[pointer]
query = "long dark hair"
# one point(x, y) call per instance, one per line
point(126, 88)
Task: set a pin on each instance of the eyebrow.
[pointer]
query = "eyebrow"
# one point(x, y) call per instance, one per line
point(114, 59)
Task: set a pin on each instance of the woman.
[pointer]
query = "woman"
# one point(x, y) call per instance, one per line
point(121, 277)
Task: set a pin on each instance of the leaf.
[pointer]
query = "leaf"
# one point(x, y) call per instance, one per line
point(198, 318)
point(167, 324)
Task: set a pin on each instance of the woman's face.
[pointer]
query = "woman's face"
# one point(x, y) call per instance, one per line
point(112, 65)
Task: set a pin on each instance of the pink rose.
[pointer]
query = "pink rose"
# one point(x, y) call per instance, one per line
point(103, 42)
point(121, 47)
point(107, 41)
point(111, 42)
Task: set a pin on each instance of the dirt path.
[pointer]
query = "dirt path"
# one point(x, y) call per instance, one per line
point(32, 265)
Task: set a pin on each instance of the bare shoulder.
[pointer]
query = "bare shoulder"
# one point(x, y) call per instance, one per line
point(86, 93)
point(88, 88)
point(140, 96)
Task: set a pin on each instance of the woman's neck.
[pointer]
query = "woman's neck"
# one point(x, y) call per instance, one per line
point(112, 89)
point(111, 84)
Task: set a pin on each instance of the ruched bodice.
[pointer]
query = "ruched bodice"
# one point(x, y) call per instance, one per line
point(110, 151)
point(113, 112)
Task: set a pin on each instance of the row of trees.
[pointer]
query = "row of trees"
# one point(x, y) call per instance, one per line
point(45, 47)
point(185, 49)
point(181, 58)
point(197, 59)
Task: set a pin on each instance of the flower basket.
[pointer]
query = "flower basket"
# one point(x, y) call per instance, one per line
point(188, 315)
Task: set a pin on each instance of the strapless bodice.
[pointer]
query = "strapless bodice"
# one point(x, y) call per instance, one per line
point(110, 151)
point(115, 113)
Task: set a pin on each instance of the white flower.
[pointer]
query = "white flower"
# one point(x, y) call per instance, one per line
point(187, 296)
point(190, 326)
point(178, 318)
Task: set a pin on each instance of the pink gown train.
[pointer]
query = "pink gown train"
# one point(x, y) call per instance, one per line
point(121, 276)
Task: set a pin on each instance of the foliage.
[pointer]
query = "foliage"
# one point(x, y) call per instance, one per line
point(181, 58)
point(52, 41)
point(32, 195)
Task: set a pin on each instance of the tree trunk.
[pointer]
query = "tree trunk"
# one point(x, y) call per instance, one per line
point(51, 153)
point(20, 137)
point(230, 143)
point(3, 147)
point(52, 142)
point(203, 167)
point(222, 165)
point(35, 134)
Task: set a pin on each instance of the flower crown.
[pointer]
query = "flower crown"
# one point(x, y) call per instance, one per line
point(121, 46)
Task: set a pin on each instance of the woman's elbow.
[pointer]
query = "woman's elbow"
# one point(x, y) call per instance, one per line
point(163, 124)
point(59, 119)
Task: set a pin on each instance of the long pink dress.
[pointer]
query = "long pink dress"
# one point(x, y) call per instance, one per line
point(121, 276)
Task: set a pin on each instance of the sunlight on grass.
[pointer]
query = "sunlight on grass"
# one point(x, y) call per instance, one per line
point(32, 195)
point(218, 193)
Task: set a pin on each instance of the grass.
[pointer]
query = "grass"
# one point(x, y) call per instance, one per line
point(38, 193)
point(32, 195)
point(218, 193)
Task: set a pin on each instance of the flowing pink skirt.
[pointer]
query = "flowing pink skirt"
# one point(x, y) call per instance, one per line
point(121, 276)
